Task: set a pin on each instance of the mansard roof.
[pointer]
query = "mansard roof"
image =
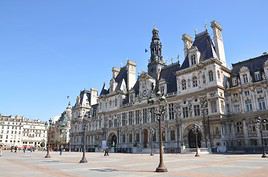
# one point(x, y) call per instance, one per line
point(136, 87)
point(104, 91)
point(253, 64)
point(121, 75)
point(85, 93)
point(168, 73)
point(204, 45)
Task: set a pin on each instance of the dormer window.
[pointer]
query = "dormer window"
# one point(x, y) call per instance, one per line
point(183, 84)
point(234, 81)
point(194, 81)
point(193, 60)
point(245, 78)
point(257, 76)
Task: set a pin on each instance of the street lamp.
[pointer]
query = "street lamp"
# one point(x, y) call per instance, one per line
point(84, 160)
point(48, 137)
point(152, 133)
point(204, 104)
point(195, 131)
point(161, 111)
point(260, 122)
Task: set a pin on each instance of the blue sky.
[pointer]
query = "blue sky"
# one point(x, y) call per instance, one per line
point(53, 49)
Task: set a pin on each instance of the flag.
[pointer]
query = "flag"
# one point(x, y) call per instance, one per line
point(146, 50)
point(68, 97)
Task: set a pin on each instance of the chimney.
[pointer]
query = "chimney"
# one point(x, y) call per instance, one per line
point(187, 40)
point(115, 71)
point(94, 96)
point(131, 74)
point(218, 41)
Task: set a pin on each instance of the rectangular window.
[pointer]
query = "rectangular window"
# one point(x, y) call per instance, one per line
point(196, 110)
point(144, 116)
point(130, 118)
point(222, 106)
point(152, 112)
point(257, 76)
point(171, 111)
point(228, 108)
point(124, 119)
point(236, 108)
point(130, 138)
point(246, 93)
point(137, 137)
point(172, 135)
point(137, 118)
point(261, 103)
point(124, 138)
point(213, 106)
point(185, 112)
point(234, 81)
point(248, 105)
point(245, 78)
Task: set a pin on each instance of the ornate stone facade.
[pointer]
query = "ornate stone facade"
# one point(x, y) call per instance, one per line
point(222, 102)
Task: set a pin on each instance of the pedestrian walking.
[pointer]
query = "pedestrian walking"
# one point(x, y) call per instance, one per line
point(61, 151)
point(106, 152)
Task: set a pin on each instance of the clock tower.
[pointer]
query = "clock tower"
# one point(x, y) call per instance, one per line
point(156, 61)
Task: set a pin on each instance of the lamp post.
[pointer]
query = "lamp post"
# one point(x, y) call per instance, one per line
point(195, 131)
point(84, 160)
point(161, 111)
point(152, 132)
point(260, 122)
point(204, 104)
point(48, 137)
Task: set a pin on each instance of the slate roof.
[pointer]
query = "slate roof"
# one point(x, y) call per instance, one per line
point(82, 94)
point(136, 87)
point(122, 75)
point(104, 91)
point(168, 73)
point(253, 64)
point(204, 45)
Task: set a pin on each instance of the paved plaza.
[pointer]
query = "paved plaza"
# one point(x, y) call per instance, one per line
point(125, 165)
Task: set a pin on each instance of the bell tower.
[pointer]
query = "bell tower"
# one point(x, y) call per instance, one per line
point(156, 61)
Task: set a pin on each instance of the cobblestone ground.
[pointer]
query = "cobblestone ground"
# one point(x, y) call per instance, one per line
point(126, 165)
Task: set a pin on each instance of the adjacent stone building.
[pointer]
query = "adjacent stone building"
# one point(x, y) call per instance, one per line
point(222, 102)
point(20, 131)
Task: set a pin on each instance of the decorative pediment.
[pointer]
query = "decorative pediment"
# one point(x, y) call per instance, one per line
point(244, 69)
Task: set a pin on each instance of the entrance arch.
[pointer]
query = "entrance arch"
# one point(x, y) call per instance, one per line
point(192, 138)
point(112, 140)
point(145, 138)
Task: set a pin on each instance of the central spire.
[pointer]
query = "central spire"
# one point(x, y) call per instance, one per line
point(156, 46)
point(156, 61)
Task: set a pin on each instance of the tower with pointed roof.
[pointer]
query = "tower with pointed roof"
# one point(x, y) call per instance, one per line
point(156, 61)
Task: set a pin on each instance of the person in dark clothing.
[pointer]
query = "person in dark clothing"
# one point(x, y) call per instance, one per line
point(106, 152)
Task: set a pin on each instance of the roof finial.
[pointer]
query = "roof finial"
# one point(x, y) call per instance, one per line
point(195, 31)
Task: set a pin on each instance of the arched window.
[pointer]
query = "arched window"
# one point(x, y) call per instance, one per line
point(194, 81)
point(210, 75)
point(183, 84)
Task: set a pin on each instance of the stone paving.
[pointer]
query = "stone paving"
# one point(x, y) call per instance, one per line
point(129, 165)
